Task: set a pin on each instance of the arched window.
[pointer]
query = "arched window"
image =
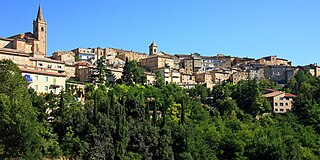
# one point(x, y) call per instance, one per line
point(42, 29)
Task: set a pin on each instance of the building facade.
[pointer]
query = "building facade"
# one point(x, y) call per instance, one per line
point(280, 101)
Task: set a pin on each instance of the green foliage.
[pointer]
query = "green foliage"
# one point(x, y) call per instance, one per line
point(21, 134)
point(248, 97)
point(132, 121)
point(159, 79)
point(200, 90)
point(133, 73)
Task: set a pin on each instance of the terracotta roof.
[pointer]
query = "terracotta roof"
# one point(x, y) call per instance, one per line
point(290, 95)
point(42, 72)
point(81, 64)
point(272, 94)
point(46, 60)
point(13, 52)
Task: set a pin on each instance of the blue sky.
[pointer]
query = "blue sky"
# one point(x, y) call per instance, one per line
point(244, 28)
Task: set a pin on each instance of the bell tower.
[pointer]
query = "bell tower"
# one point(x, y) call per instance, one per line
point(40, 32)
point(153, 49)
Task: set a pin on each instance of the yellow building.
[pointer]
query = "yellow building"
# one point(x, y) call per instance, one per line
point(44, 81)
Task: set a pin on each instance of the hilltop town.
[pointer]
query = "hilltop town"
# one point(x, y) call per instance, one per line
point(47, 74)
point(110, 103)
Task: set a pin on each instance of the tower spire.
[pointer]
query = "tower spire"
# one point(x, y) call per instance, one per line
point(40, 16)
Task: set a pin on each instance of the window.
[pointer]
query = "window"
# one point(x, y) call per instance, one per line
point(276, 109)
point(36, 87)
point(286, 104)
point(42, 29)
point(40, 64)
point(281, 110)
point(36, 78)
point(276, 104)
point(281, 104)
point(46, 88)
point(287, 110)
point(287, 98)
point(59, 66)
point(49, 66)
point(46, 79)
point(281, 98)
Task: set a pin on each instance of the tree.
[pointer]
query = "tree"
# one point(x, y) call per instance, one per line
point(159, 79)
point(133, 73)
point(101, 69)
point(20, 132)
point(249, 98)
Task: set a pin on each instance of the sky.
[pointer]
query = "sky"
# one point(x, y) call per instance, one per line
point(242, 28)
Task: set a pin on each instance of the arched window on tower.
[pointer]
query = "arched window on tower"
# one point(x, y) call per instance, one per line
point(42, 29)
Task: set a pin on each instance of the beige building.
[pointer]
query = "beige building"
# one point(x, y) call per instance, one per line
point(175, 76)
point(156, 61)
point(204, 78)
point(238, 76)
point(115, 62)
point(117, 72)
point(314, 69)
point(70, 71)
point(273, 61)
point(16, 56)
point(187, 79)
point(165, 72)
point(151, 78)
point(64, 56)
point(44, 81)
point(187, 64)
point(131, 55)
point(35, 42)
point(28, 51)
point(170, 75)
point(281, 102)
point(82, 71)
point(220, 76)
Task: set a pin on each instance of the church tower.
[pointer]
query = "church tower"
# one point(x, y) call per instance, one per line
point(153, 49)
point(40, 32)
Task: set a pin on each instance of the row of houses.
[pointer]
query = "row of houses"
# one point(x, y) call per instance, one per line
point(49, 73)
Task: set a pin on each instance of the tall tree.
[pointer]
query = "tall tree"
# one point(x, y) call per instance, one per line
point(20, 132)
point(133, 73)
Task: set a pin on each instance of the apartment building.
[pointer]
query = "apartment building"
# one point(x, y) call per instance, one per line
point(84, 54)
point(281, 102)
point(44, 81)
